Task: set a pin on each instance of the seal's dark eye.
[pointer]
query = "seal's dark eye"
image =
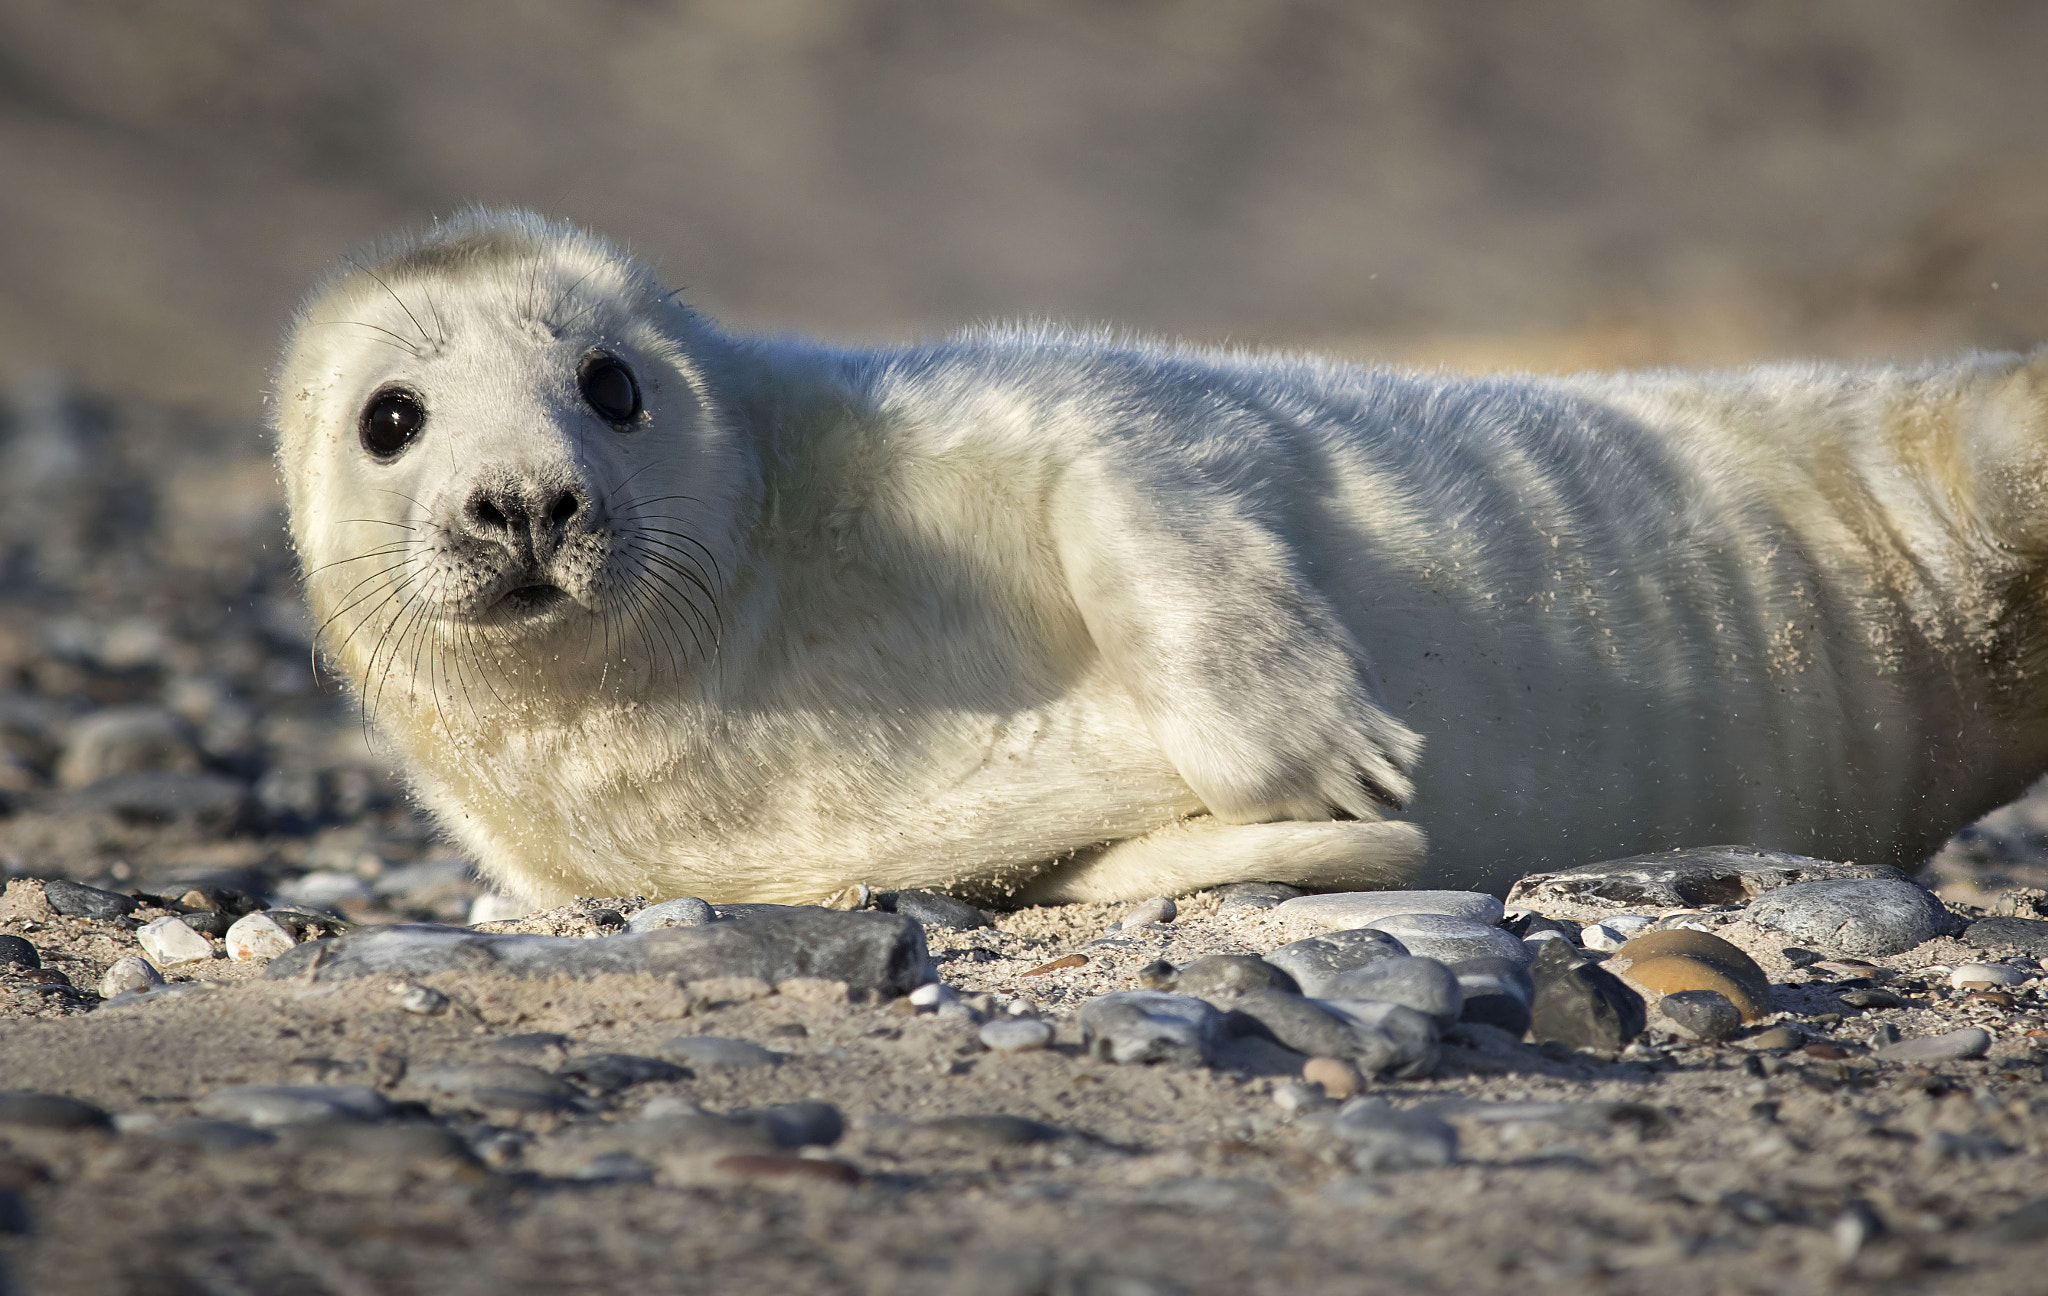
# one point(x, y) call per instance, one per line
point(391, 422)
point(609, 387)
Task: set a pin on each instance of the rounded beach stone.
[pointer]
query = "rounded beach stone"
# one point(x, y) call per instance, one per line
point(294, 1104)
point(1581, 1005)
point(717, 1053)
point(257, 936)
point(683, 911)
point(76, 900)
point(1394, 1039)
point(1702, 1014)
point(1970, 1042)
point(49, 1111)
point(1314, 961)
point(1159, 909)
point(1449, 938)
point(1254, 895)
point(1423, 984)
point(1346, 909)
point(1016, 1035)
point(1985, 976)
point(1871, 917)
point(19, 954)
point(1498, 992)
point(932, 908)
point(1231, 974)
point(1612, 932)
point(1681, 958)
point(1130, 1026)
point(169, 942)
point(1339, 1079)
point(126, 974)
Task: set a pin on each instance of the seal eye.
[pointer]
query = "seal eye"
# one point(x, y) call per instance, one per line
point(609, 387)
point(391, 422)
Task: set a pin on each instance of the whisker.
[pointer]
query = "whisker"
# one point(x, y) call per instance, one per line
point(394, 297)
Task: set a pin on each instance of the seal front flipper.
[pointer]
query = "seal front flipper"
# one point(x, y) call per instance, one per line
point(1260, 696)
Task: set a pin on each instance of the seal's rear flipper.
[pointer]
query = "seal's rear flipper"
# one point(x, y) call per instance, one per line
point(1202, 853)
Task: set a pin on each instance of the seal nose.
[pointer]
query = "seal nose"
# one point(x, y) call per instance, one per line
point(533, 519)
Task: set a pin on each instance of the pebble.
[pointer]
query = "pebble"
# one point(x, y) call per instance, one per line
point(1159, 909)
point(1498, 992)
point(1231, 974)
point(257, 936)
point(1254, 895)
point(422, 1001)
point(931, 908)
point(127, 974)
point(1294, 1098)
point(1985, 976)
point(990, 1130)
point(19, 953)
point(1059, 964)
point(1384, 1139)
point(506, 1086)
point(327, 887)
point(608, 1073)
point(1666, 962)
point(1702, 1014)
point(211, 1135)
point(1016, 1035)
point(1682, 879)
point(75, 900)
point(2027, 935)
point(1867, 998)
point(798, 1124)
point(1304, 1025)
point(1870, 917)
point(1776, 1039)
point(1342, 910)
point(1449, 938)
point(717, 1053)
point(294, 1104)
point(491, 907)
point(1581, 1005)
point(1392, 1039)
point(1133, 1026)
point(1970, 1042)
point(879, 952)
point(169, 942)
point(1423, 984)
point(1337, 1077)
point(1612, 932)
point(50, 1111)
point(683, 911)
point(1315, 961)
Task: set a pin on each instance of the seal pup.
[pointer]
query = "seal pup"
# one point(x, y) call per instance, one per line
point(649, 608)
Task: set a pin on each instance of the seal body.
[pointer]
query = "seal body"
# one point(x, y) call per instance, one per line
point(1069, 616)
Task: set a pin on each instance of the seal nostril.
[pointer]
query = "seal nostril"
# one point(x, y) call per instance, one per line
point(566, 507)
point(488, 514)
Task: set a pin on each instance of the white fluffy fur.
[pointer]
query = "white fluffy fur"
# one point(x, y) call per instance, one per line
point(1082, 617)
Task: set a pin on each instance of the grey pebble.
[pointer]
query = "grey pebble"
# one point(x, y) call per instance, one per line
point(76, 900)
point(1869, 917)
point(1348, 909)
point(1159, 909)
point(1302, 1025)
point(931, 908)
point(1393, 1039)
point(1313, 962)
point(608, 1073)
point(683, 911)
point(1581, 1005)
point(2027, 935)
point(1452, 939)
point(1385, 1139)
point(49, 1111)
point(1423, 984)
point(212, 1135)
point(1132, 1026)
point(797, 1124)
point(294, 1104)
point(1683, 879)
point(1498, 992)
point(19, 952)
point(532, 1044)
point(990, 1130)
point(1969, 1042)
point(1702, 1014)
point(1016, 1035)
point(1231, 974)
point(506, 1086)
point(717, 1053)
point(1253, 895)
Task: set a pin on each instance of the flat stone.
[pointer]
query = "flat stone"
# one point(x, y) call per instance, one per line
point(1342, 910)
point(683, 911)
point(1680, 958)
point(129, 974)
point(76, 900)
point(717, 1053)
point(169, 942)
point(1303, 1025)
point(1313, 962)
point(502, 1086)
point(1393, 1039)
point(879, 952)
point(1970, 1042)
point(1423, 984)
point(50, 1111)
point(1870, 917)
point(1497, 992)
point(1231, 974)
point(257, 936)
point(2024, 935)
point(1384, 1139)
point(1253, 895)
point(1449, 938)
point(1681, 879)
point(1984, 976)
point(1580, 1005)
point(532, 1044)
point(212, 1135)
point(932, 908)
point(1159, 909)
point(19, 953)
point(1702, 1014)
point(1016, 1035)
point(294, 1104)
point(1135, 1026)
point(608, 1073)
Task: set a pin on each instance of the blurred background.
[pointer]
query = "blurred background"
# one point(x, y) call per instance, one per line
point(1484, 184)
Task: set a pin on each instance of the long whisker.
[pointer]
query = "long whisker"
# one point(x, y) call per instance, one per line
point(402, 342)
point(689, 539)
point(394, 297)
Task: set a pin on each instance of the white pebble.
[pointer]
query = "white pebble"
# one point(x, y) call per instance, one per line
point(1982, 976)
point(1292, 1098)
point(326, 887)
point(1536, 937)
point(169, 942)
point(1611, 933)
point(422, 1000)
point(931, 995)
point(496, 908)
point(1159, 909)
point(1016, 1035)
point(683, 911)
point(257, 936)
point(127, 974)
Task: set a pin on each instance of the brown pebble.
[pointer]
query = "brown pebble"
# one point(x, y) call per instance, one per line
point(1828, 1052)
point(2037, 1034)
point(1996, 998)
point(1777, 1037)
point(770, 1166)
point(1064, 961)
point(1339, 1079)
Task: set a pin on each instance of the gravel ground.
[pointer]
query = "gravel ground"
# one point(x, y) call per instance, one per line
point(164, 735)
